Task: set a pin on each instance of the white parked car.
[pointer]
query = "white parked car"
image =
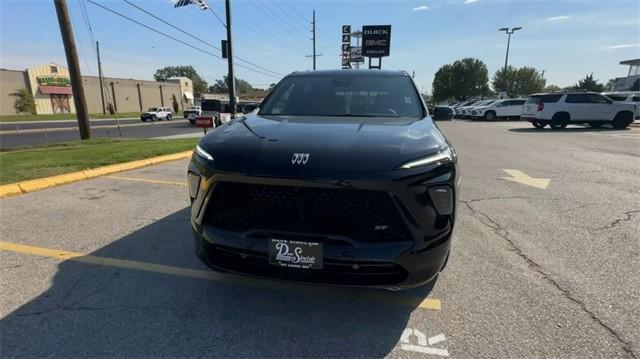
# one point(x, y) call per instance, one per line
point(193, 112)
point(461, 111)
point(156, 113)
point(468, 111)
point(558, 109)
point(499, 109)
point(628, 97)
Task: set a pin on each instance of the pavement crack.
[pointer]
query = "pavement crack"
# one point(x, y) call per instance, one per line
point(626, 218)
point(504, 234)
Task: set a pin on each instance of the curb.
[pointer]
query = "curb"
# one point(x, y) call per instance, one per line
point(14, 189)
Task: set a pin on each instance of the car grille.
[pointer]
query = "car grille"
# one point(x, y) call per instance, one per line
point(361, 215)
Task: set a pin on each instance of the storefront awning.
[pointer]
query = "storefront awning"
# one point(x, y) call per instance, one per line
point(55, 90)
point(188, 95)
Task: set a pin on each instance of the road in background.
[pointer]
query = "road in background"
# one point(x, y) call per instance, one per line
point(68, 131)
point(544, 263)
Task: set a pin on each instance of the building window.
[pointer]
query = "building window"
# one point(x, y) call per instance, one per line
point(53, 69)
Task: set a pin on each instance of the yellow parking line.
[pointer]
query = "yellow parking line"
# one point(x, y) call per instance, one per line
point(380, 297)
point(147, 180)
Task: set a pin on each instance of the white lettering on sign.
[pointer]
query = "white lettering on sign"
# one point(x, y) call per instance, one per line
point(424, 345)
point(376, 32)
point(375, 43)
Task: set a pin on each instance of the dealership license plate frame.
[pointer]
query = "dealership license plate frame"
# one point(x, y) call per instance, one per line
point(288, 256)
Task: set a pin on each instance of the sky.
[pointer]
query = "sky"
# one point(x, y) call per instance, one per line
point(568, 39)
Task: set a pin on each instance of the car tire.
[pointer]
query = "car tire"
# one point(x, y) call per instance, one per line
point(622, 120)
point(559, 121)
point(168, 117)
point(143, 119)
point(490, 116)
point(539, 124)
point(154, 118)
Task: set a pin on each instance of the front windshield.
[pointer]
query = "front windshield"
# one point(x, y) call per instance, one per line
point(340, 95)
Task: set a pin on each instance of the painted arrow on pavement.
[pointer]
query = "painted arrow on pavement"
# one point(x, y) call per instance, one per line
point(523, 178)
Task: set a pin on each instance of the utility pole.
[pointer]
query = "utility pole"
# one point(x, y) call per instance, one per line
point(313, 29)
point(313, 39)
point(231, 79)
point(104, 110)
point(74, 68)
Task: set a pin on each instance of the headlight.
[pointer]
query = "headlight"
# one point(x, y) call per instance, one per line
point(204, 154)
point(441, 157)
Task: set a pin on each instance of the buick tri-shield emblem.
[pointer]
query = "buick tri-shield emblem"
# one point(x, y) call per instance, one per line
point(299, 158)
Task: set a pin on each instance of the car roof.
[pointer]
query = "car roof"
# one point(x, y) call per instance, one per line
point(380, 73)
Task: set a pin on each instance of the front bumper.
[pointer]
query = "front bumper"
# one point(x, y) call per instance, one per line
point(412, 261)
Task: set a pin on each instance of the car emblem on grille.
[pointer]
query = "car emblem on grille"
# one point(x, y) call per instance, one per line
point(299, 158)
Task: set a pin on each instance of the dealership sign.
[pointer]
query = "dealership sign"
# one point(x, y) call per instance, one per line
point(376, 40)
point(53, 81)
point(346, 46)
point(356, 54)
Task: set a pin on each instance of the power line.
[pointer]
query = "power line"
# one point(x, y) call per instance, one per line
point(218, 17)
point(197, 38)
point(173, 38)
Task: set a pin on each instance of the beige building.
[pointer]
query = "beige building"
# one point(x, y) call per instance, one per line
point(50, 86)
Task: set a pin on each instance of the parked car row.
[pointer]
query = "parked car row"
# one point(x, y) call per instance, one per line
point(490, 110)
point(558, 109)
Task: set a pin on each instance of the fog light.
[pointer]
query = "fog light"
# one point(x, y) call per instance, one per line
point(442, 197)
point(194, 184)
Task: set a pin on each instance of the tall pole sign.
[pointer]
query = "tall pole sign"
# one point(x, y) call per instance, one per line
point(376, 43)
point(346, 47)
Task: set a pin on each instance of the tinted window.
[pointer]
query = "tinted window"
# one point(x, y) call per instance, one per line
point(617, 97)
point(635, 99)
point(544, 98)
point(576, 98)
point(517, 102)
point(211, 105)
point(339, 95)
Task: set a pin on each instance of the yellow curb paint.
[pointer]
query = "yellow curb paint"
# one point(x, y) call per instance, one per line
point(10, 190)
point(147, 180)
point(14, 189)
point(379, 296)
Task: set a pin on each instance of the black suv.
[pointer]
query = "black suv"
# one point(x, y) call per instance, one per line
point(340, 177)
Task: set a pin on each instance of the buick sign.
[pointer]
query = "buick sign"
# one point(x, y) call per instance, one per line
point(376, 40)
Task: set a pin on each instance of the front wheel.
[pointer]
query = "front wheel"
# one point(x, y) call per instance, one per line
point(559, 121)
point(489, 116)
point(154, 118)
point(168, 117)
point(622, 120)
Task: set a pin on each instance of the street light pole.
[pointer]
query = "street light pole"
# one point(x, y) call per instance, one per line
point(508, 31)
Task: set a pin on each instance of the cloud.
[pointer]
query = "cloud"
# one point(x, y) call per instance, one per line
point(470, 1)
point(420, 8)
point(622, 46)
point(557, 18)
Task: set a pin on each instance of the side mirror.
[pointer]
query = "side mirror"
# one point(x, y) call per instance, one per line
point(249, 107)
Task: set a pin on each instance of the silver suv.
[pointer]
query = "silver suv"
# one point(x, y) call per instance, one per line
point(558, 109)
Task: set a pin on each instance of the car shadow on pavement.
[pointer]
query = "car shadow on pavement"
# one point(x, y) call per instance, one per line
point(108, 311)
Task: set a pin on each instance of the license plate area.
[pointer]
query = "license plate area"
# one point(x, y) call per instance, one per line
point(295, 254)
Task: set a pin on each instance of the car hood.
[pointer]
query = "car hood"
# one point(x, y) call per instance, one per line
point(268, 144)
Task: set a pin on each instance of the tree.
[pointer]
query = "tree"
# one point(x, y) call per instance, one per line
point(24, 102)
point(174, 103)
point(199, 85)
point(551, 88)
point(271, 87)
point(221, 86)
point(590, 84)
point(461, 80)
point(518, 81)
point(610, 84)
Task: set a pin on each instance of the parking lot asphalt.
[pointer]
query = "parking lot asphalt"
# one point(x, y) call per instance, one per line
point(106, 267)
